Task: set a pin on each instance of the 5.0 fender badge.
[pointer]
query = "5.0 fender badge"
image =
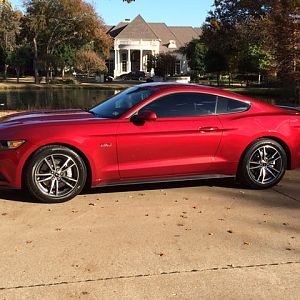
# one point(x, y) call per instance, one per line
point(106, 145)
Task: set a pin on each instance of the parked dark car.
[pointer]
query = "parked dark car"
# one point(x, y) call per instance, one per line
point(137, 75)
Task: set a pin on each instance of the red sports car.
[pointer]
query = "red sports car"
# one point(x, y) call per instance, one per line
point(149, 133)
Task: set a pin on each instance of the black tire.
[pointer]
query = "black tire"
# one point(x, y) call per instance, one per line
point(55, 174)
point(263, 164)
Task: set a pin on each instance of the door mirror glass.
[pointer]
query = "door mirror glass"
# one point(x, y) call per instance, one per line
point(144, 116)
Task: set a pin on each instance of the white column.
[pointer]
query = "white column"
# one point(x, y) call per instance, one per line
point(141, 60)
point(128, 61)
point(116, 64)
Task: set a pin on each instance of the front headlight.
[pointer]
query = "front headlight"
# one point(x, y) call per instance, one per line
point(10, 145)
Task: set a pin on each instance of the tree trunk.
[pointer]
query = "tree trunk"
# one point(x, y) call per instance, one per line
point(47, 74)
point(259, 78)
point(5, 71)
point(35, 62)
point(63, 73)
point(18, 74)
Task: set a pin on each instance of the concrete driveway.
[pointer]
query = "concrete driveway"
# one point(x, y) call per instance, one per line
point(203, 240)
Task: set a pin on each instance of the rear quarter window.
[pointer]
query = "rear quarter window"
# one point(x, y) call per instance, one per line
point(231, 106)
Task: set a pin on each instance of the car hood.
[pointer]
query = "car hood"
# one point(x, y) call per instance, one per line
point(45, 116)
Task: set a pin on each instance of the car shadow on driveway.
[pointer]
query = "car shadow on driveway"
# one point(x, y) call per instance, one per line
point(222, 183)
point(23, 196)
point(16, 195)
point(226, 187)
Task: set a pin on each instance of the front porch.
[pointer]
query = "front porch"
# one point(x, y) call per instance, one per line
point(132, 55)
point(131, 60)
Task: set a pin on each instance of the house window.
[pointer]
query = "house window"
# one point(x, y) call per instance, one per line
point(177, 67)
point(110, 66)
point(124, 62)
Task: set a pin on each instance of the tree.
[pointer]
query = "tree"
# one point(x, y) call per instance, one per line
point(49, 24)
point(215, 62)
point(284, 30)
point(195, 52)
point(89, 62)
point(9, 28)
point(165, 65)
point(20, 58)
point(65, 57)
point(272, 26)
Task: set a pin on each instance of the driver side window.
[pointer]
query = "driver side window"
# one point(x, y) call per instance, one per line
point(183, 105)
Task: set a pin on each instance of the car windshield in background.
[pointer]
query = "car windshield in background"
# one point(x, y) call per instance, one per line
point(116, 106)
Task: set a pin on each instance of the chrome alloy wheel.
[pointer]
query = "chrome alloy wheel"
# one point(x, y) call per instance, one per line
point(56, 175)
point(265, 165)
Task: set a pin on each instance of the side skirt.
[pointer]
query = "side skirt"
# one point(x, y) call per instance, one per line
point(161, 180)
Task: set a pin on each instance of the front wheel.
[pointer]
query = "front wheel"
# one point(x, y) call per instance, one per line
point(263, 165)
point(55, 174)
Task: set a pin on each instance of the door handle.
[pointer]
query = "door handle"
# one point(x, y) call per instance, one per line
point(208, 129)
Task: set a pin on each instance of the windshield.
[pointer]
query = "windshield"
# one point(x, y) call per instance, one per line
point(116, 106)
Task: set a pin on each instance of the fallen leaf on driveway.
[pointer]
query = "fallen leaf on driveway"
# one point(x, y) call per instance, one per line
point(57, 229)
point(221, 219)
point(246, 243)
point(285, 224)
point(92, 204)
point(4, 214)
point(28, 242)
point(229, 231)
point(180, 224)
point(210, 233)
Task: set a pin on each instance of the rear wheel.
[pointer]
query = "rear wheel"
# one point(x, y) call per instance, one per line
point(263, 165)
point(55, 174)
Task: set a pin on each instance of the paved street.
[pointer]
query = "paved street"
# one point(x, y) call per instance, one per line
point(204, 240)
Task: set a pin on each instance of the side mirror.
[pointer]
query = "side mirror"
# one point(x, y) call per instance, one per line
point(147, 115)
point(143, 116)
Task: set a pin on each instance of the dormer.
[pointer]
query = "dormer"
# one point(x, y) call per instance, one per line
point(172, 44)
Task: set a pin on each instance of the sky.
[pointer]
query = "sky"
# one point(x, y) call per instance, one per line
point(171, 12)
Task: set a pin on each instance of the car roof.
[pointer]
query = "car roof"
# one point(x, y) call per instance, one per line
point(179, 87)
point(192, 86)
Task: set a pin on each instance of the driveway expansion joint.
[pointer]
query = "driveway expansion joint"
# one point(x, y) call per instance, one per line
point(286, 195)
point(228, 267)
